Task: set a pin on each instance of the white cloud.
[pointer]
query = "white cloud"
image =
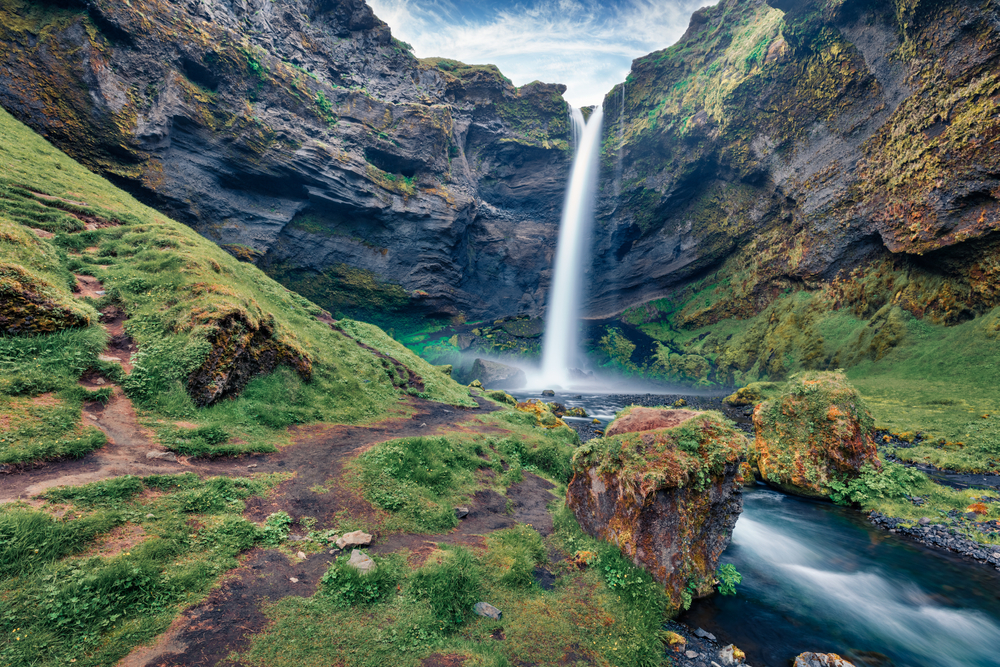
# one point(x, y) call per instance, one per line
point(586, 45)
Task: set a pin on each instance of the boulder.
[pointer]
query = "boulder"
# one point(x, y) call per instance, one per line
point(668, 497)
point(635, 419)
point(356, 539)
point(487, 610)
point(821, 660)
point(817, 430)
point(495, 375)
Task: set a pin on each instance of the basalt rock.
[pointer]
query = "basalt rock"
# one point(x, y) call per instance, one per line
point(821, 660)
point(302, 136)
point(668, 497)
point(816, 431)
point(495, 375)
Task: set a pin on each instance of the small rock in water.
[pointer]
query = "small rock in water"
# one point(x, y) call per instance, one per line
point(691, 654)
point(548, 392)
point(731, 655)
point(487, 610)
point(356, 539)
point(461, 512)
point(821, 660)
point(704, 635)
point(361, 562)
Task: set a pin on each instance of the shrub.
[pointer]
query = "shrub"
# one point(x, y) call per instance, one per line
point(276, 528)
point(347, 587)
point(891, 481)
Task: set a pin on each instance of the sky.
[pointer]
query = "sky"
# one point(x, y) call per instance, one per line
point(586, 44)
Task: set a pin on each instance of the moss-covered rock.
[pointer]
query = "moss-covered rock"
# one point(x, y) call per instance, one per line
point(819, 429)
point(752, 394)
point(668, 497)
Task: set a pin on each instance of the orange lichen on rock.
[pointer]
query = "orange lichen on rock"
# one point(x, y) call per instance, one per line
point(668, 497)
point(818, 430)
point(646, 419)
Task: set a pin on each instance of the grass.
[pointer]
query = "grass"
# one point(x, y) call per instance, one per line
point(66, 602)
point(188, 303)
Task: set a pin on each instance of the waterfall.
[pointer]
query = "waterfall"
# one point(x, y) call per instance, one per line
point(561, 345)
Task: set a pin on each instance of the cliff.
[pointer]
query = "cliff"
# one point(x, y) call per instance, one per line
point(302, 136)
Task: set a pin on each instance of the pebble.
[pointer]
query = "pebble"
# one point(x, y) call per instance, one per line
point(150, 516)
point(301, 555)
point(487, 610)
point(293, 580)
point(252, 465)
point(691, 654)
point(461, 512)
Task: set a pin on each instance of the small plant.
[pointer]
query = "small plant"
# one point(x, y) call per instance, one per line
point(728, 578)
point(276, 529)
point(348, 587)
point(891, 481)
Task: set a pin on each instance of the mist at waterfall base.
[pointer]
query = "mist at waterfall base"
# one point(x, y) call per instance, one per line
point(561, 347)
point(818, 577)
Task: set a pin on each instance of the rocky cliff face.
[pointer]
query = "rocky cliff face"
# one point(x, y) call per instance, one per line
point(301, 135)
point(787, 142)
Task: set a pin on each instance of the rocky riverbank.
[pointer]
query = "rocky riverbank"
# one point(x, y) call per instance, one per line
point(950, 535)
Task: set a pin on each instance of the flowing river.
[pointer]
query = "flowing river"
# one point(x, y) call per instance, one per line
point(819, 577)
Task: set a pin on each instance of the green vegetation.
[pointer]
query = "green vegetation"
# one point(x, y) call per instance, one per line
point(191, 308)
point(118, 565)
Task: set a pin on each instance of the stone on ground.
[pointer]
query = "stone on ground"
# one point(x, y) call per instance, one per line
point(495, 375)
point(487, 610)
point(356, 539)
point(361, 562)
point(668, 497)
point(730, 655)
point(819, 429)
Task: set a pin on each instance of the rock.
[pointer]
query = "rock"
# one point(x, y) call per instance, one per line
point(501, 397)
point(251, 466)
point(356, 539)
point(674, 639)
point(730, 655)
point(446, 369)
point(293, 580)
point(704, 634)
point(361, 562)
point(669, 498)
point(161, 456)
point(476, 384)
point(818, 429)
point(487, 610)
point(821, 660)
point(752, 394)
point(494, 375)
point(635, 419)
point(680, 403)
point(461, 512)
point(548, 392)
point(151, 516)
point(301, 554)
point(577, 412)
point(691, 655)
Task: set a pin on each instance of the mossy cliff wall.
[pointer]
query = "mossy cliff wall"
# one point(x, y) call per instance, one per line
point(785, 163)
point(300, 135)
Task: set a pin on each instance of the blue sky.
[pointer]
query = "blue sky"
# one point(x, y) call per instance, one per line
point(585, 44)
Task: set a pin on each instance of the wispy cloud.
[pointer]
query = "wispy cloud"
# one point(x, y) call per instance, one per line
point(586, 44)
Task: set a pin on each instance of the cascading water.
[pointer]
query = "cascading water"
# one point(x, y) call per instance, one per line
point(560, 348)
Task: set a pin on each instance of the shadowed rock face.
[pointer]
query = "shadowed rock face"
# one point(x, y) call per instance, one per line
point(669, 497)
point(299, 133)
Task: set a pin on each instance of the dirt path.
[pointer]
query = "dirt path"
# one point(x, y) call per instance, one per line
point(206, 634)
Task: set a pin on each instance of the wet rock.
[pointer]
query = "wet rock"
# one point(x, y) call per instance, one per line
point(487, 610)
point(548, 392)
point(361, 562)
point(669, 497)
point(821, 660)
point(817, 430)
point(635, 419)
point(704, 634)
point(356, 539)
point(691, 655)
point(730, 655)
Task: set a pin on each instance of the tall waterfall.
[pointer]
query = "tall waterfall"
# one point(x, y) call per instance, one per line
point(561, 346)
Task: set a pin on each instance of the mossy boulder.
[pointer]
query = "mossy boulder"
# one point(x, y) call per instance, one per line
point(635, 419)
point(819, 429)
point(667, 497)
point(752, 394)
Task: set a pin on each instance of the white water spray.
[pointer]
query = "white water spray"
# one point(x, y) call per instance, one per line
point(560, 349)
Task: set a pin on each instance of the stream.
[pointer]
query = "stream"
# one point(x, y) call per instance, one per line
point(819, 577)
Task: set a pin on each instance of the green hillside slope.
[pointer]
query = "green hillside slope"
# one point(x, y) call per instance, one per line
point(217, 340)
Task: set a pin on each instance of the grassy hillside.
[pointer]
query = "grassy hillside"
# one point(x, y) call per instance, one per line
point(219, 343)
